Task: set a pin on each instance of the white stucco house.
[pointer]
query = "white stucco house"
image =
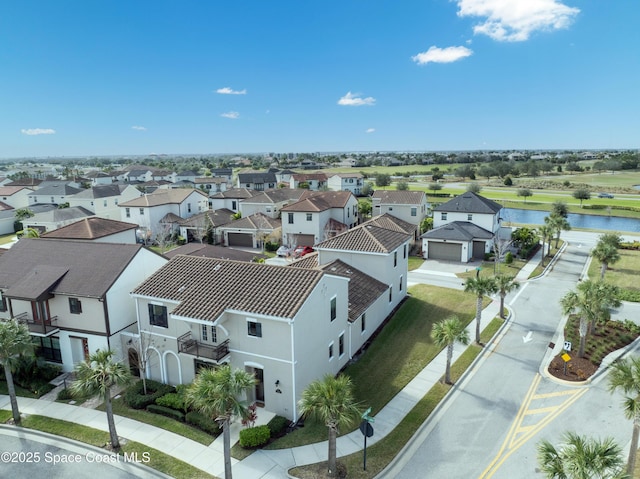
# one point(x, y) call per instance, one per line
point(15, 196)
point(270, 202)
point(104, 200)
point(353, 182)
point(409, 206)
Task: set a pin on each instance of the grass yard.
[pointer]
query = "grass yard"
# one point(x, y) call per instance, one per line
point(415, 262)
point(7, 238)
point(19, 391)
point(487, 268)
point(623, 274)
point(402, 349)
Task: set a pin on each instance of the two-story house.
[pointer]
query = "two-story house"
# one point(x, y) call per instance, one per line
point(73, 295)
point(230, 199)
point(150, 211)
point(104, 200)
point(318, 216)
point(212, 184)
point(54, 194)
point(409, 206)
point(251, 231)
point(287, 326)
point(465, 227)
point(309, 181)
point(226, 173)
point(270, 202)
point(55, 218)
point(198, 226)
point(15, 196)
point(353, 182)
point(97, 229)
point(257, 180)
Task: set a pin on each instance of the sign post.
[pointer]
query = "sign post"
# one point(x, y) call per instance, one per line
point(566, 358)
point(367, 431)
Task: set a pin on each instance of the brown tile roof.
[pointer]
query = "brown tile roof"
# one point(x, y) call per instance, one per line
point(390, 222)
point(365, 238)
point(313, 201)
point(92, 267)
point(258, 221)
point(212, 251)
point(206, 287)
point(162, 197)
point(308, 261)
point(393, 197)
point(12, 190)
point(90, 228)
point(25, 182)
point(217, 218)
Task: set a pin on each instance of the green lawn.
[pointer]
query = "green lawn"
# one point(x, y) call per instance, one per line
point(7, 238)
point(415, 262)
point(401, 350)
point(19, 391)
point(623, 274)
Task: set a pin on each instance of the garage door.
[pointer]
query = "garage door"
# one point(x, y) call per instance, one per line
point(478, 249)
point(446, 251)
point(240, 239)
point(305, 240)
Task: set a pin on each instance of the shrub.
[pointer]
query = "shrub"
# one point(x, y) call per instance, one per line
point(173, 401)
point(202, 422)
point(166, 411)
point(278, 426)
point(136, 399)
point(64, 395)
point(255, 436)
point(269, 246)
point(508, 258)
point(508, 181)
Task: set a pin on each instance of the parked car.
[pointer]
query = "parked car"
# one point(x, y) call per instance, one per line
point(300, 251)
point(605, 195)
point(284, 251)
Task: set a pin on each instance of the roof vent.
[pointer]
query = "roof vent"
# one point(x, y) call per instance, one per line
point(217, 267)
point(181, 289)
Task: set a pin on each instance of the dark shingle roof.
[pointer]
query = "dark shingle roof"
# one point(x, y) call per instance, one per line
point(258, 221)
point(102, 191)
point(206, 287)
point(90, 228)
point(458, 230)
point(236, 193)
point(57, 190)
point(256, 177)
point(276, 195)
point(92, 267)
point(470, 202)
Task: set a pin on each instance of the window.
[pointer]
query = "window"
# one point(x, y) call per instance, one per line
point(363, 323)
point(3, 302)
point(268, 209)
point(395, 259)
point(52, 200)
point(47, 348)
point(204, 333)
point(404, 253)
point(414, 211)
point(188, 207)
point(104, 203)
point(400, 284)
point(254, 329)
point(309, 216)
point(75, 306)
point(390, 293)
point(115, 202)
point(290, 218)
point(214, 334)
point(158, 315)
point(141, 211)
point(443, 216)
point(331, 351)
point(234, 205)
point(469, 217)
point(334, 308)
point(127, 212)
point(341, 345)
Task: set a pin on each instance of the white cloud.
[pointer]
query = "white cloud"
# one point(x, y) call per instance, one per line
point(234, 115)
point(139, 128)
point(370, 130)
point(351, 99)
point(516, 20)
point(228, 91)
point(442, 55)
point(37, 131)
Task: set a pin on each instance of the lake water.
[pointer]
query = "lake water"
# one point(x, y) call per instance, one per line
point(609, 223)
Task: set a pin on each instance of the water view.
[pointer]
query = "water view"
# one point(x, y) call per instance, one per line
point(609, 223)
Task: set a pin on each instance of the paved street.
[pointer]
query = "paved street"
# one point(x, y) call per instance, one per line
point(492, 423)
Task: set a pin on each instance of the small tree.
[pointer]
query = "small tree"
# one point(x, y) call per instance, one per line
point(402, 186)
point(445, 334)
point(435, 186)
point(505, 284)
point(524, 193)
point(582, 194)
point(480, 287)
point(15, 341)
point(474, 188)
point(364, 208)
point(383, 180)
point(559, 208)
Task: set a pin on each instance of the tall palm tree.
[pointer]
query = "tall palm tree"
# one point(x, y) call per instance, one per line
point(505, 284)
point(217, 394)
point(330, 400)
point(591, 301)
point(607, 254)
point(15, 341)
point(558, 223)
point(625, 375)
point(95, 377)
point(546, 233)
point(581, 458)
point(446, 333)
point(481, 287)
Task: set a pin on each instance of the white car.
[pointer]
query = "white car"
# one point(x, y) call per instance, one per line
point(284, 251)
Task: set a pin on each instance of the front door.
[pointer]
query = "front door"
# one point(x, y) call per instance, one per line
point(79, 349)
point(259, 388)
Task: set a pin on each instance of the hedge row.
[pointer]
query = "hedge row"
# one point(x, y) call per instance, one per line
point(202, 422)
point(135, 398)
point(166, 411)
point(278, 426)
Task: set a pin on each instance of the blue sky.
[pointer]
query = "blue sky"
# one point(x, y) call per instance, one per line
point(142, 77)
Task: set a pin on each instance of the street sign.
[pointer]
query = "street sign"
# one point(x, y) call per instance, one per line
point(566, 358)
point(366, 428)
point(567, 345)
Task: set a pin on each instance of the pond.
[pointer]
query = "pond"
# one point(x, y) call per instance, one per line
point(609, 223)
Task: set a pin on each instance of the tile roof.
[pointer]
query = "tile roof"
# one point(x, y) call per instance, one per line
point(236, 193)
point(470, 202)
point(213, 251)
point(162, 196)
point(218, 217)
point(90, 228)
point(102, 191)
point(257, 221)
point(12, 190)
point(276, 195)
point(393, 223)
point(394, 197)
point(206, 287)
point(365, 238)
point(313, 201)
point(25, 182)
point(458, 230)
point(92, 267)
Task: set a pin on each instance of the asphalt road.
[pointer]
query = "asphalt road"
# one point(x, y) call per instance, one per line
point(490, 426)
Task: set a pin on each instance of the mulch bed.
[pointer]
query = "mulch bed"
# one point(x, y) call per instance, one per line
point(578, 369)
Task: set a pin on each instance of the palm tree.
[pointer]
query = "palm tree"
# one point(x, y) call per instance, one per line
point(331, 401)
point(558, 223)
point(505, 284)
point(581, 458)
point(481, 287)
point(95, 377)
point(216, 393)
point(546, 233)
point(591, 301)
point(607, 254)
point(625, 375)
point(447, 333)
point(14, 342)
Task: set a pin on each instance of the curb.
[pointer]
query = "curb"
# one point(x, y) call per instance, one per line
point(553, 261)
